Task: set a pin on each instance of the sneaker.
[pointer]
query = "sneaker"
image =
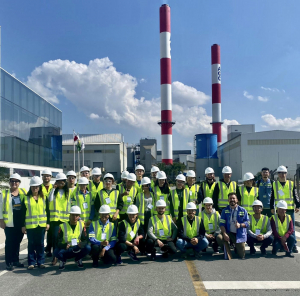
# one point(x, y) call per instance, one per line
point(10, 267)
point(30, 267)
point(165, 255)
point(18, 264)
point(95, 264)
point(153, 256)
point(274, 252)
point(119, 260)
point(61, 265)
point(42, 266)
point(295, 250)
point(133, 257)
point(289, 254)
point(198, 255)
point(263, 251)
point(252, 251)
point(79, 263)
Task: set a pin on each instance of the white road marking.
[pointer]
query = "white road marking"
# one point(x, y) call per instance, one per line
point(297, 234)
point(3, 272)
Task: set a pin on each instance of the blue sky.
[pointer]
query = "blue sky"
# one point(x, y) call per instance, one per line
point(105, 74)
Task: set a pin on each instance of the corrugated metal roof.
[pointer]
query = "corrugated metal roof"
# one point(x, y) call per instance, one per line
point(67, 139)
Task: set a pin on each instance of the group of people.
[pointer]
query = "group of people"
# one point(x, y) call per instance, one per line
point(84, 216)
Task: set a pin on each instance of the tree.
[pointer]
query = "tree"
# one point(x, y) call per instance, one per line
point(4, 178)
point(172, 170)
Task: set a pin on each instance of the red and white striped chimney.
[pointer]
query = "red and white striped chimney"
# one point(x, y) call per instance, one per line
point(216, 91)
point(166, 81)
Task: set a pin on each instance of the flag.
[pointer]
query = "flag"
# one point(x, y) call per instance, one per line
point(82, 145)
point(75, 136)
point(78, 145)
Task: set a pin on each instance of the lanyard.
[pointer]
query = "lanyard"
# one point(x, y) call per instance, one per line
point(232, 215)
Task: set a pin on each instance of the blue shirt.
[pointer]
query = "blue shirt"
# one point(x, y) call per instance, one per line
point(264, 192)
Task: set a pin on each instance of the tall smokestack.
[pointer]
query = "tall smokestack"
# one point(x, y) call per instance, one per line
point(165, 84)
point(216, 91)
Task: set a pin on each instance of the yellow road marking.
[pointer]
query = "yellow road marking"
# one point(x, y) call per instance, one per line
point(196, 279)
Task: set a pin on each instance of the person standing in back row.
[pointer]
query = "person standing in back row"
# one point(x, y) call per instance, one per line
point(195, 194)
point(208, 186)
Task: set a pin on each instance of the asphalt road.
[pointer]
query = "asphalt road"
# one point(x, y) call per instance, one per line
point(211, 274)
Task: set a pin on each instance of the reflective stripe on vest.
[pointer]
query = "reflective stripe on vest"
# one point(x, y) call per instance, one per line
point(113, 203)
point(126, 204)
point(288, 193)
point(176, 202)
point(194, 189)
point(69, 234)
point(223, 193)
point(129, 229)
point(5, 206)
point(108, 229)
point(208, 192)
point(261, 224)
point(166, 226)
point(248, 198)
point(140, 203)
point(85, 213)
point(40, 219)
point(167, 211)
point(57, 213)
point(282, 228)
point(213, 220)
point(188, 230)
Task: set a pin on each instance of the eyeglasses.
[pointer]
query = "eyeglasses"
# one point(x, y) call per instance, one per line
point(14, 181)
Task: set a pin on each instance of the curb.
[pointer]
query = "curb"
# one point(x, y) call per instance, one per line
point(297, 223)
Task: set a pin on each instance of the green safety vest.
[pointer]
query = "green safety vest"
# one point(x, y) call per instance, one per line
point(152, 185)
point(188, 230)
point(128, 199)
point(94, 189)
point(113, 196)
point(69, 234)
point(176, 201)
point(192, 192)
point(141, 205)
point(44, 190)
point(210, 224)
point(135, 229)
point(165, 226)
point(223, 193)
point(208, 192)
point(287, 193)
point(248, 198)
point(282, 228)
point(138, 187)
point(158, 195)
point(261, 224)
point(98, 229)
point(35, 212)
point(84, 204)
point(59, 208)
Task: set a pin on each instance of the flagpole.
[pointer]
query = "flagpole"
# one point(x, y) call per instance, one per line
point(78, 163)
point(82, 153)
point(74, 155)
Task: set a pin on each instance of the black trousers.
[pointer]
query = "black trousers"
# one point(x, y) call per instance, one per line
point(122, 247)
point(13, 239)
point(168, 246)
point(108, 258)
point(49, 241)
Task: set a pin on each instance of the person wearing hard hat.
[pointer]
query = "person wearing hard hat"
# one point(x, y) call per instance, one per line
point(58, 207)
point(84, 199)
point(179, 198)
point(223, 188)
point(71, 180)
point(122, 184)
point(162, 232)
point(211, 221)
point(154, 171)
point(11, 220)
point(73, 240)
point(284, 189)
point(102, 234)
point(128, 195)
point(208, 186)
point(131, 236)
point(265, 190)
point(247, 193)
point(46, 188)
point(195, 194)
point(259, 230)
point(143, 201)
point(35, 221)
point(191, 232)
point(283, 230)
point(139, 172)
point(233, 224)
point(96, 184)
point(85, 172)
point(109, 196)
point(161, 192)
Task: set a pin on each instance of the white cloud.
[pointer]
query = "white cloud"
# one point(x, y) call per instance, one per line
point(94, 116)
point(263, 99)
point(271, 89)
point(143, 80)
point(282, 124)
point(247, 95)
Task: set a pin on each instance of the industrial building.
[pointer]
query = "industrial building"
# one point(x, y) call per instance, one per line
point(182, 156)
point(106, 151)
point(30, 131)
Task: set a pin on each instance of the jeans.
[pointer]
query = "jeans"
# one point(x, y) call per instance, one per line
point(292, 214)
point(290, 243)
point(122, 247)
point(54, 226)
point(36, 245)
point(183, 245)
point(65, 254)
point(169, 246)
point(13, 239)
point(264, 244)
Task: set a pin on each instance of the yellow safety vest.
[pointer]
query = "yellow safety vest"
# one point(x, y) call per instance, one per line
point(128, 199)
point(69, 234)
point(208, 192)
point(98, 230)
point(248, 198)
point(111, 200)
point(223, 193)
point(175, 201)
point(192, 192)
point(84, 204)
point(188, 230)
point(287, 193)
point(35, 212)
point(59, 208)
point(165, 226)
point(210, 224)
point(95, 189)
point(131, 233)
point(282, 228)
point(141, 205)
point(158, 195)
point(261, 224)
point(45, 192)
point(138, 187)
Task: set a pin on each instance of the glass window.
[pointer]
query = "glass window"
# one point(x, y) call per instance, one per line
point(17, 150)
point(8, 88)
point(8, 148)
point(23, 97)
point(16, 92)
point(7, 117)
point(24, 154)
point(36, 154)
point(37, 102)
point(2, 83)
point(47, 112)
point(30, 104)
point(16, 121)
point(30, 153)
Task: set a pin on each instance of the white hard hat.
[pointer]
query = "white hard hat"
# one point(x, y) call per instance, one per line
point(160, 203)
point(132, 209)
point(154, 169)
point(180, 177)
point(60, 176)
point(145, 181)
point(46, 172)
point(207, 200)
point(71, 173)
point(248, 176)
point(161, 175)
point(75, 210)
point(83, 181)
point(257, 203)
point(131, 177)
point(191, 206)
point(96, 171)
point(282, 205)
point(35, 181)
point(139, 167)
point(108, 175)
point(281, 169)
point(15, 176)
point(124, 174)
point(226, 170)
point(191, 173)
point(105, 209)
point(84, 169)
point(209, 171)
